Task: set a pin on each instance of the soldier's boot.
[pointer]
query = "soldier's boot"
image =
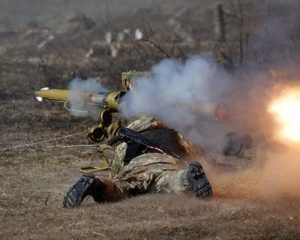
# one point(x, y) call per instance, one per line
point(197, 179)
point(100, 189)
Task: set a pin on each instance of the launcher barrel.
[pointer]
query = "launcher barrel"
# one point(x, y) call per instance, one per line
point(57, 95)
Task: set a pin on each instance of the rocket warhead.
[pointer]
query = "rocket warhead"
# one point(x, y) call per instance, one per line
point(57, 95)
point(107, 99)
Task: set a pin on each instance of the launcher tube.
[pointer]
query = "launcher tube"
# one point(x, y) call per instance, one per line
point(58, 95)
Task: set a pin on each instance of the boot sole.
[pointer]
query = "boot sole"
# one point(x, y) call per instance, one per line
point(196, 177)
point(76, 194)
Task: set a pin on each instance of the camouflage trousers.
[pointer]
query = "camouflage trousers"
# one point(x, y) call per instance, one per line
point(153, 173)
point(147, 173)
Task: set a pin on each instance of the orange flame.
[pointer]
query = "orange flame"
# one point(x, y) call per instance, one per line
point(286, 110)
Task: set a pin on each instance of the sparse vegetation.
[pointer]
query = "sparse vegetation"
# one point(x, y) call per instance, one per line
point(35, 174)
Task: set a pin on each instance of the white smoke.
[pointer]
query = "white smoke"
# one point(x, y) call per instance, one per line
point(173, 87)
point(78, 90)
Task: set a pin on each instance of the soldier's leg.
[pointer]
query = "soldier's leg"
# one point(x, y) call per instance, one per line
point(179, 181)
point(158, 173)
point(101, 189)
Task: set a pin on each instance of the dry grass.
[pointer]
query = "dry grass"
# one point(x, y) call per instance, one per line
point(35, 179)
point(33, 187)
point(35, 175)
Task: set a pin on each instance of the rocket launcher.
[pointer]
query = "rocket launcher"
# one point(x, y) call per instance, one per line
point(104, 100)
point(103, 104)
point(57, 95)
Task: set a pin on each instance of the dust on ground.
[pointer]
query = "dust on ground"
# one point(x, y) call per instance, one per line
point(38, 163)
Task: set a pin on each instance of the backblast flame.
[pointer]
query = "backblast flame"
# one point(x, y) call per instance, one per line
point(286, 110)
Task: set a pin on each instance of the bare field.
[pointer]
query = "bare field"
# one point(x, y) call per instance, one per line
point(39, 143)
point(35, 179)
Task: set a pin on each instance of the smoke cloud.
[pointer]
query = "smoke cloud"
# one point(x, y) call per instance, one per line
point(272, 66)
point(174, 88)
point(77, 97)
point(183, 95)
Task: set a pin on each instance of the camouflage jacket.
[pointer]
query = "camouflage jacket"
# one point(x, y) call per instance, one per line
point(115, 154)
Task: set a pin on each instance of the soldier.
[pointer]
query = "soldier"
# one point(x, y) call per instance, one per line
point(137, 170)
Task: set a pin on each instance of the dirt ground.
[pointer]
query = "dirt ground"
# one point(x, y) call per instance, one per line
point(42, 146)
point(35, 179)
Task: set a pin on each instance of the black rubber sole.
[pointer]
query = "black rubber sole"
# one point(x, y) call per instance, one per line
point(78, 192)
point(198, 180)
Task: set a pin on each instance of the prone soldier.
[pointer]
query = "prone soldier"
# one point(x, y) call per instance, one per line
point(165, 165)
point(145, 157)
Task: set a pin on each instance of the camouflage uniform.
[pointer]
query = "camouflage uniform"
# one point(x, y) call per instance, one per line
point(151, 172)
point(146, 173)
